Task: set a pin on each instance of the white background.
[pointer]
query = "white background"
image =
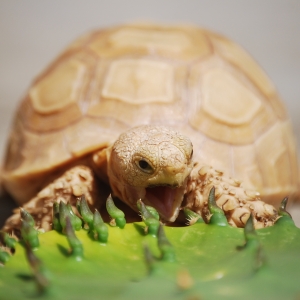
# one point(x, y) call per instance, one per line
point(33, 32)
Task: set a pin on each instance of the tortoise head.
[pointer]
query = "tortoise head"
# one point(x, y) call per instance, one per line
point(151, 163)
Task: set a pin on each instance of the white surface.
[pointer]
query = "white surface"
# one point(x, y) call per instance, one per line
point(33, 32)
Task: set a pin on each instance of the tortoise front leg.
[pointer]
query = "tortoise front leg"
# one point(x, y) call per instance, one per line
point(72, 184)
point(236, 201)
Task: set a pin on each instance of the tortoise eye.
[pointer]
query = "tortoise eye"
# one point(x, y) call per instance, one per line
point(144, 166)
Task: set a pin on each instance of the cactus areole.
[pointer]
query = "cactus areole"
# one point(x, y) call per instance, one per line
point(146, 260)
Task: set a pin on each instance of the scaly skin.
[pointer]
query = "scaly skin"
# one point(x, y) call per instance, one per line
point(202, 261)
point(236, 202)
point(154, 164)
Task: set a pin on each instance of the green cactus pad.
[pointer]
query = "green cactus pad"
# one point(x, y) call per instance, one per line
point(210, 262)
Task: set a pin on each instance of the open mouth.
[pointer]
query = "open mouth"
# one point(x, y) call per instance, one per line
point(166, 200)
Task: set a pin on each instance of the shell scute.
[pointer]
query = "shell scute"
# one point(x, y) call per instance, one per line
point(184, 77)
point(183, 43)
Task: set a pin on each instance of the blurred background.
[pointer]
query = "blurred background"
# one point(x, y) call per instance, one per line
point(34, 32)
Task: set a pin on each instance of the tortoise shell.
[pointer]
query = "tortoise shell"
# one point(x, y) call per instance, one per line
point(193, 80)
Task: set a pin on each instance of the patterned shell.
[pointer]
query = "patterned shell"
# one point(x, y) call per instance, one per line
point(188, 78)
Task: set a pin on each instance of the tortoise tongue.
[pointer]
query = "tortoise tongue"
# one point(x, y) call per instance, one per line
point(165, 200)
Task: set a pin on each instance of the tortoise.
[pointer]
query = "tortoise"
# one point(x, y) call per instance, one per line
point(161, 113)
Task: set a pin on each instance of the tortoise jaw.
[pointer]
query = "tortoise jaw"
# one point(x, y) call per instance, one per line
point(166, 200)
